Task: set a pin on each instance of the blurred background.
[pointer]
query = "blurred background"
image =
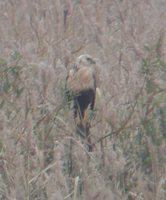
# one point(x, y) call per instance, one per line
point(40, 155)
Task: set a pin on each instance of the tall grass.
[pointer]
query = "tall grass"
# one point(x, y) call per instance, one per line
point(41, 157)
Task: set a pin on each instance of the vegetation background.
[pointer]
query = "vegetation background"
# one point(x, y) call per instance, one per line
point(40, 155)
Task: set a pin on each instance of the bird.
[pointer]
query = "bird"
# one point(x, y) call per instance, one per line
point(81, 84)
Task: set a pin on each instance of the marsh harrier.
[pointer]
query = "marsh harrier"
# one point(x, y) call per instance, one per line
point(82, 81)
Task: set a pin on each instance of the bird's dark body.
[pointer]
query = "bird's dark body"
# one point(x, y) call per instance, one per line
point(81, 102)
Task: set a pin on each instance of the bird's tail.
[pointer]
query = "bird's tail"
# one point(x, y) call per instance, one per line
point(83, 130)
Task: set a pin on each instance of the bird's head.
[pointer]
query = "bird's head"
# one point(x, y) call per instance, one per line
point(85, 61)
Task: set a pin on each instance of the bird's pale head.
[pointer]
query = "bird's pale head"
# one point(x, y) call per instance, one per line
point(84, 61)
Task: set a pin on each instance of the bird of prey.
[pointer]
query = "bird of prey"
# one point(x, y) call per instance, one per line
point(81, 83)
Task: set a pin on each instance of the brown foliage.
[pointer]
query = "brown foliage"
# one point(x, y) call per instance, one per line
point(40, 155)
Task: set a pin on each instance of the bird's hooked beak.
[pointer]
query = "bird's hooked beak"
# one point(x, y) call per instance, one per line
point(91, 61)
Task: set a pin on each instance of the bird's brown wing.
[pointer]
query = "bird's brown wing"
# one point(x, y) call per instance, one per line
point(82, 79)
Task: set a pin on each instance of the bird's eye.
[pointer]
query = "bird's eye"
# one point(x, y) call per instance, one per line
point(89, 59)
